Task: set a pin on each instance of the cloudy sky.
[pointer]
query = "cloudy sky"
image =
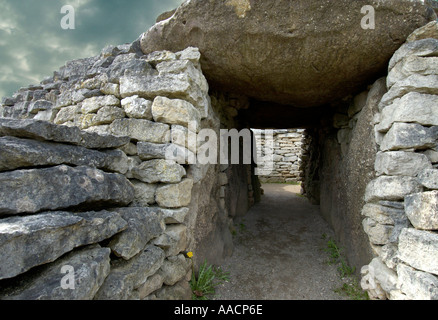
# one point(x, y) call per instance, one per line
point(33, 44)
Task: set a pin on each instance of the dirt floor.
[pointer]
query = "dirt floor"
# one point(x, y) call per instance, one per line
point(279, 251)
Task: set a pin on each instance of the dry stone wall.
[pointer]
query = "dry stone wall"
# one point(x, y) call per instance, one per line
point(287, 151)
point(401, 210)
point(87, 184)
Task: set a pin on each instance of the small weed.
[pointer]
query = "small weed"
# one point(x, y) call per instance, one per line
point(351, 287)
point(209, 277)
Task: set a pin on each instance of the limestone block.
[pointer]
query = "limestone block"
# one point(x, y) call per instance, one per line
point(107, 115)
point(136, 107)
point(381, 214)
point(28, 191)
point(126, 276)
point(43, 130)
point(90, 265)
point(175, 111)
point(159, 170)
point(174, 86)
point(143, 226)
point(400, 163)
point(412, 65)
point(173, 240)
point(412, 107)
point(429, 30)
point(419, 249)
point(417, 285)
point(174, 269)
point(141, 130)
point(30, 241)
point(20, 153)
point(378, 233)
point(409, 135)
point(422, 210)
point(152, 283)
point(144, 193)
point(391, 188)
point(172, 216)
point(168, 151)
point(67, 114)
point(422, 48)
point(415, 83)
point(428, 178)
point(93, 104)
point(175, 195)
point(386, 277)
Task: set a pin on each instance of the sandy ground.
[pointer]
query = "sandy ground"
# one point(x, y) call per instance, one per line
point(278, 253)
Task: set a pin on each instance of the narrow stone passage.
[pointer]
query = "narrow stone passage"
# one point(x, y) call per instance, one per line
point(278, 253)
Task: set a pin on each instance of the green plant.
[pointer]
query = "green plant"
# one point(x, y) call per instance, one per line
point(209, 277)
point(351, 287)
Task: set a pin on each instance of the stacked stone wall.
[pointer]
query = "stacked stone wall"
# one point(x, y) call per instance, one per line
point(288, 150)
point(87, 183)
point(400, 214)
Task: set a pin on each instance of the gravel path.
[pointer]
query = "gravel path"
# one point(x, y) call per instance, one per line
point(278, 253)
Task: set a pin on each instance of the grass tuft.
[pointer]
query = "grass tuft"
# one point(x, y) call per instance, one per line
point(204, 284)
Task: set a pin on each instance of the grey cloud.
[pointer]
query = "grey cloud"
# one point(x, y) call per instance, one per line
point(33, 44)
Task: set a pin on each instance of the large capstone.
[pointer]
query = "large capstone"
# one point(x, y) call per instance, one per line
point(303, 53)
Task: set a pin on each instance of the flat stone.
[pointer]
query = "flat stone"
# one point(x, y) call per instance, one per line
point(419, 249)
point(174, 269)
point(159, 170)
point(90, 265)
point(428, 178)
point(143, 226)
point(92, 105)
point(20, 153)
point(106, 115)
point(174, 216)
point(168, 151)
point(144, 193)
point(33, 190)
point(67, 114)
point(174, 86)
point(386, 277)
point(175, 195)
point(175, 111)
point(429, 30)
point(422, 210)
point(378, 234)
point(412, 65)
point(381, 214)
point(412, 107)
point(409, 135)
point(420, 48)
point(180, 291)
point(417, 285)
point(43, 130)
point(141, 130)
point(391, 188)
point(400, 163)
point(173, 240)
point(427, 84)
point(152, 284)
point(30, 241)
point(127, 276)
point(136, 107)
